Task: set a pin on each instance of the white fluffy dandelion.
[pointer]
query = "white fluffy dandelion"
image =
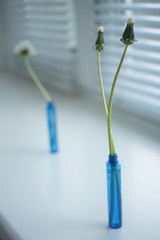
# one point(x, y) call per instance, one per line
point(25, 48)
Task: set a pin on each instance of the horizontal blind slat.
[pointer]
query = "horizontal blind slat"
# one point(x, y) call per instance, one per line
point(127, 6)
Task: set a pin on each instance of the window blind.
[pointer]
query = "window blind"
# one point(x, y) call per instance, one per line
point(138, 86)
point(50, 26)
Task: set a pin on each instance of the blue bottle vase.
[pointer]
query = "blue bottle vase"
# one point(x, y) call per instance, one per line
point(113, 169)
point(51, 116)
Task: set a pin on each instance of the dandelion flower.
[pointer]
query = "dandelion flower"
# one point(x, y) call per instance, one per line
point(25, 48)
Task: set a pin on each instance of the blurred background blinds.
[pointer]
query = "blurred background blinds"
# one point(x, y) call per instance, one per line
point(138, 86)
point(50, 26)
point(63, 32)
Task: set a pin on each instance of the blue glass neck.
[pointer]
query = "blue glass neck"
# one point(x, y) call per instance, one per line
point(113, 159)
point(50, 105)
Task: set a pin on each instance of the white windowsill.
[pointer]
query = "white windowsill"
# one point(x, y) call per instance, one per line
point(63, 196)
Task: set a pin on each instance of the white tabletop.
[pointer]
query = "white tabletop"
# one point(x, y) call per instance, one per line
point(63, 195)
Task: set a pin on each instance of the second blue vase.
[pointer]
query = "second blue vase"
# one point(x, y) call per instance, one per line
point(113, 169)
point(51, 116)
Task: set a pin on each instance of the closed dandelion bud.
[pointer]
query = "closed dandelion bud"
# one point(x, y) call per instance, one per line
point(99, 45)
point(128, 35)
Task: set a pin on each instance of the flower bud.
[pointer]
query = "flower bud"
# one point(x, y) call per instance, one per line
point(128, 35)
point(100, 40)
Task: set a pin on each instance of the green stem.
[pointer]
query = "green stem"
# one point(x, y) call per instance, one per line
point(112, 151)
point(103, 94)
point(36, 80)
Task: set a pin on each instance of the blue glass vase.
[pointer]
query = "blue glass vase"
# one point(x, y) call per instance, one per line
point(113, 169)
point(51, 116)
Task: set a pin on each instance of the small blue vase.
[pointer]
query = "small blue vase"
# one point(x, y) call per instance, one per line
point(51, 116)
point(113, 169)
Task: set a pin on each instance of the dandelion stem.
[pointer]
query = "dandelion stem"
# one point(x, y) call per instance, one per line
point(111, 143)
point(112, 151)
point(36, 80)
